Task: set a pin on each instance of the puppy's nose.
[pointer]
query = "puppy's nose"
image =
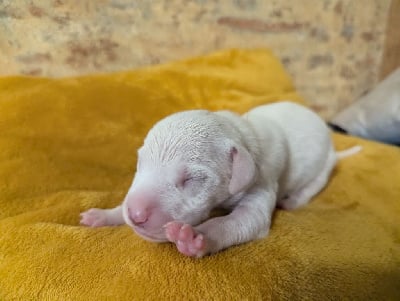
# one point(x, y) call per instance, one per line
point(138, 216)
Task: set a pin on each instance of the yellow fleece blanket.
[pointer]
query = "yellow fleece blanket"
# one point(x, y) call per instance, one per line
point(70, 144)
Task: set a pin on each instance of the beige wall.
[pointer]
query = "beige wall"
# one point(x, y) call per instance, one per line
point(391, 54)
point(332, 48)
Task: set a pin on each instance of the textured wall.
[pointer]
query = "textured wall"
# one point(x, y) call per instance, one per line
point(391, 54)
point(332, 48)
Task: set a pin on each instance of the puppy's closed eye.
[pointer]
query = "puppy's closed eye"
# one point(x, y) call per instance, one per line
point(191, 180)
point(191, 184)
point(187, 181)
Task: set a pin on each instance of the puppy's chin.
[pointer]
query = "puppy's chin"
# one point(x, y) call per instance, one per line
point(152, 237)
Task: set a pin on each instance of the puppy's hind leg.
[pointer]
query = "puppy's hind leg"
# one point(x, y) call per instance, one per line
point(303, 195)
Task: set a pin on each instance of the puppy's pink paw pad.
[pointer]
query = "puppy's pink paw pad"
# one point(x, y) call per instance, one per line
point(188, 241)
point(93, 218)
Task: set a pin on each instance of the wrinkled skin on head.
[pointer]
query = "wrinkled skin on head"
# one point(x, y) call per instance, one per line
point(183, 172)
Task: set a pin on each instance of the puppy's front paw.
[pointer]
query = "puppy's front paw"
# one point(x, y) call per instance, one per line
point(188, 241)
point(94, 218)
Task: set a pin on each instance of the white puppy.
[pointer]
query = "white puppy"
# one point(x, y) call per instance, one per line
point(195, 161)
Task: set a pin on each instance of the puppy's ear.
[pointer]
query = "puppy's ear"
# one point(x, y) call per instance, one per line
point(243, 169)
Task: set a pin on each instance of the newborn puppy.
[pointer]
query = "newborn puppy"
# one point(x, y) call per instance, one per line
point(195, 161)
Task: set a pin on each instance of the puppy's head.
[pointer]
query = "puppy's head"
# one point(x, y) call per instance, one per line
point(189, 164)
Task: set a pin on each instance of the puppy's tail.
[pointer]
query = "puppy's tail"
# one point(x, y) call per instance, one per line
point(348, 152)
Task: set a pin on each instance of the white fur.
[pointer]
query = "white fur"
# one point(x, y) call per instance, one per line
point(195, 161)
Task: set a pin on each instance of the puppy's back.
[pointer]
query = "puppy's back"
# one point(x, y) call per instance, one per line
point(307, 138)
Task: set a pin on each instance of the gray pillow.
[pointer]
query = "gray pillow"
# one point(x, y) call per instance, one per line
point(376, 115)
